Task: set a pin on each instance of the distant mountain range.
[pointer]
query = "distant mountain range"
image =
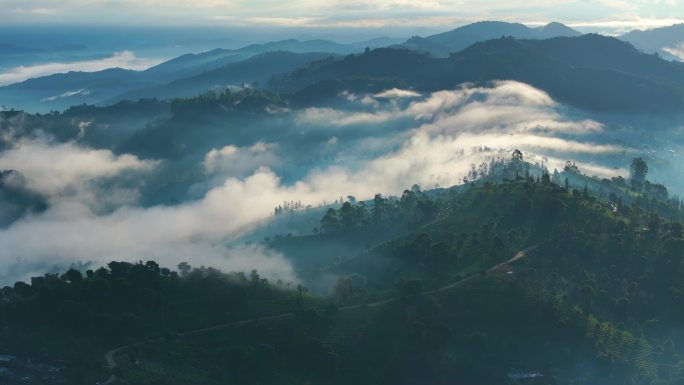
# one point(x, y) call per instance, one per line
point(12, 55)
point(254, 69)
point(588, 71)
point(60, 91)
point(190, 74)
point(592, 72)
point(442, 44)
point(193, 64)
point(667, 41)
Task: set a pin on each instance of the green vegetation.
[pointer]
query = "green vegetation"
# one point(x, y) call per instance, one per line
point(594, 296)
point(593, 72)
point(76, 317)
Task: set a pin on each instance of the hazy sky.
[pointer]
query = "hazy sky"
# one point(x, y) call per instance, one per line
point(604, 14)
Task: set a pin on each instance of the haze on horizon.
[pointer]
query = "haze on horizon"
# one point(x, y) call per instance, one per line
point(610, 16)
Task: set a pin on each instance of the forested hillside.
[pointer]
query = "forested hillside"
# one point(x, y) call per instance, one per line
point(592, 72)
point(554, 280)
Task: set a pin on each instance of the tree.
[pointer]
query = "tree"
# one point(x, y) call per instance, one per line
point(517, 156)
point(347, 216)
point(118, 269)
point(254, 277)
point(73, 276)
point(184, 268)
point(637, 172)
point(408, 200)
point(380, 209)
point(330, 223)
point(571, 167)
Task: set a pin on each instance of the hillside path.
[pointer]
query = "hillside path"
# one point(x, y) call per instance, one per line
point(110, 355)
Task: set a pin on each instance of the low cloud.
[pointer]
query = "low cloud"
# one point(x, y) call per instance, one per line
point(505, 106)
point(618, 26)
point(332, 117)
point(450, 131)
point(232, 161)
point(67, 171)
point(396, 93)
point(124, 59)
point(677, 51)
point(67, 94)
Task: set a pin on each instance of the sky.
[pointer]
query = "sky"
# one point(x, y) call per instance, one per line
point(374, 14)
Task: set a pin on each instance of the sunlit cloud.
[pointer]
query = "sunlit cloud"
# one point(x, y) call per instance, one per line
point(396, 93)
point(608, 14)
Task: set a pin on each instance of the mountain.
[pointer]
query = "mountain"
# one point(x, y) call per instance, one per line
point(596, 51)
point(11, 49)
point(592, 72)
point(60, 91)
point(377, 42)
point(545, 279)
point(193, 64)
point(426, 46)
point(256, 68)
point(14, 55)
point(666, 41)
point(553, 29)
point(443, 44)
point(96, 127)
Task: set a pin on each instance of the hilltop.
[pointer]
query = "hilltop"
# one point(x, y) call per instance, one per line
point(597, 267)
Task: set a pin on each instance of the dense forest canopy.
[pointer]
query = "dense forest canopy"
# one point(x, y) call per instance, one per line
point(587, 298)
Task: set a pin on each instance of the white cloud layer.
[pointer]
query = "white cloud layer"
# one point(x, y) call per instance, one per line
point(396, 93)
point(240, 161)
point(124, 59)
point(677, 51)
point(453, 130)
point(54, 168)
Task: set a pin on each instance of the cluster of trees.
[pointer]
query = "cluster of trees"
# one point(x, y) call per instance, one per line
point(290, 206)
point(124, 302)
point(289, 351)
point(411, 209)
point(602, 291)
point(250, 101)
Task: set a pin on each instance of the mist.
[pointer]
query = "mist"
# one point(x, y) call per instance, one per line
point(123, 59)
point(94, 196)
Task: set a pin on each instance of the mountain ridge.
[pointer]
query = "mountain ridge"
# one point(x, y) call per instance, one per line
point(445, 43)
